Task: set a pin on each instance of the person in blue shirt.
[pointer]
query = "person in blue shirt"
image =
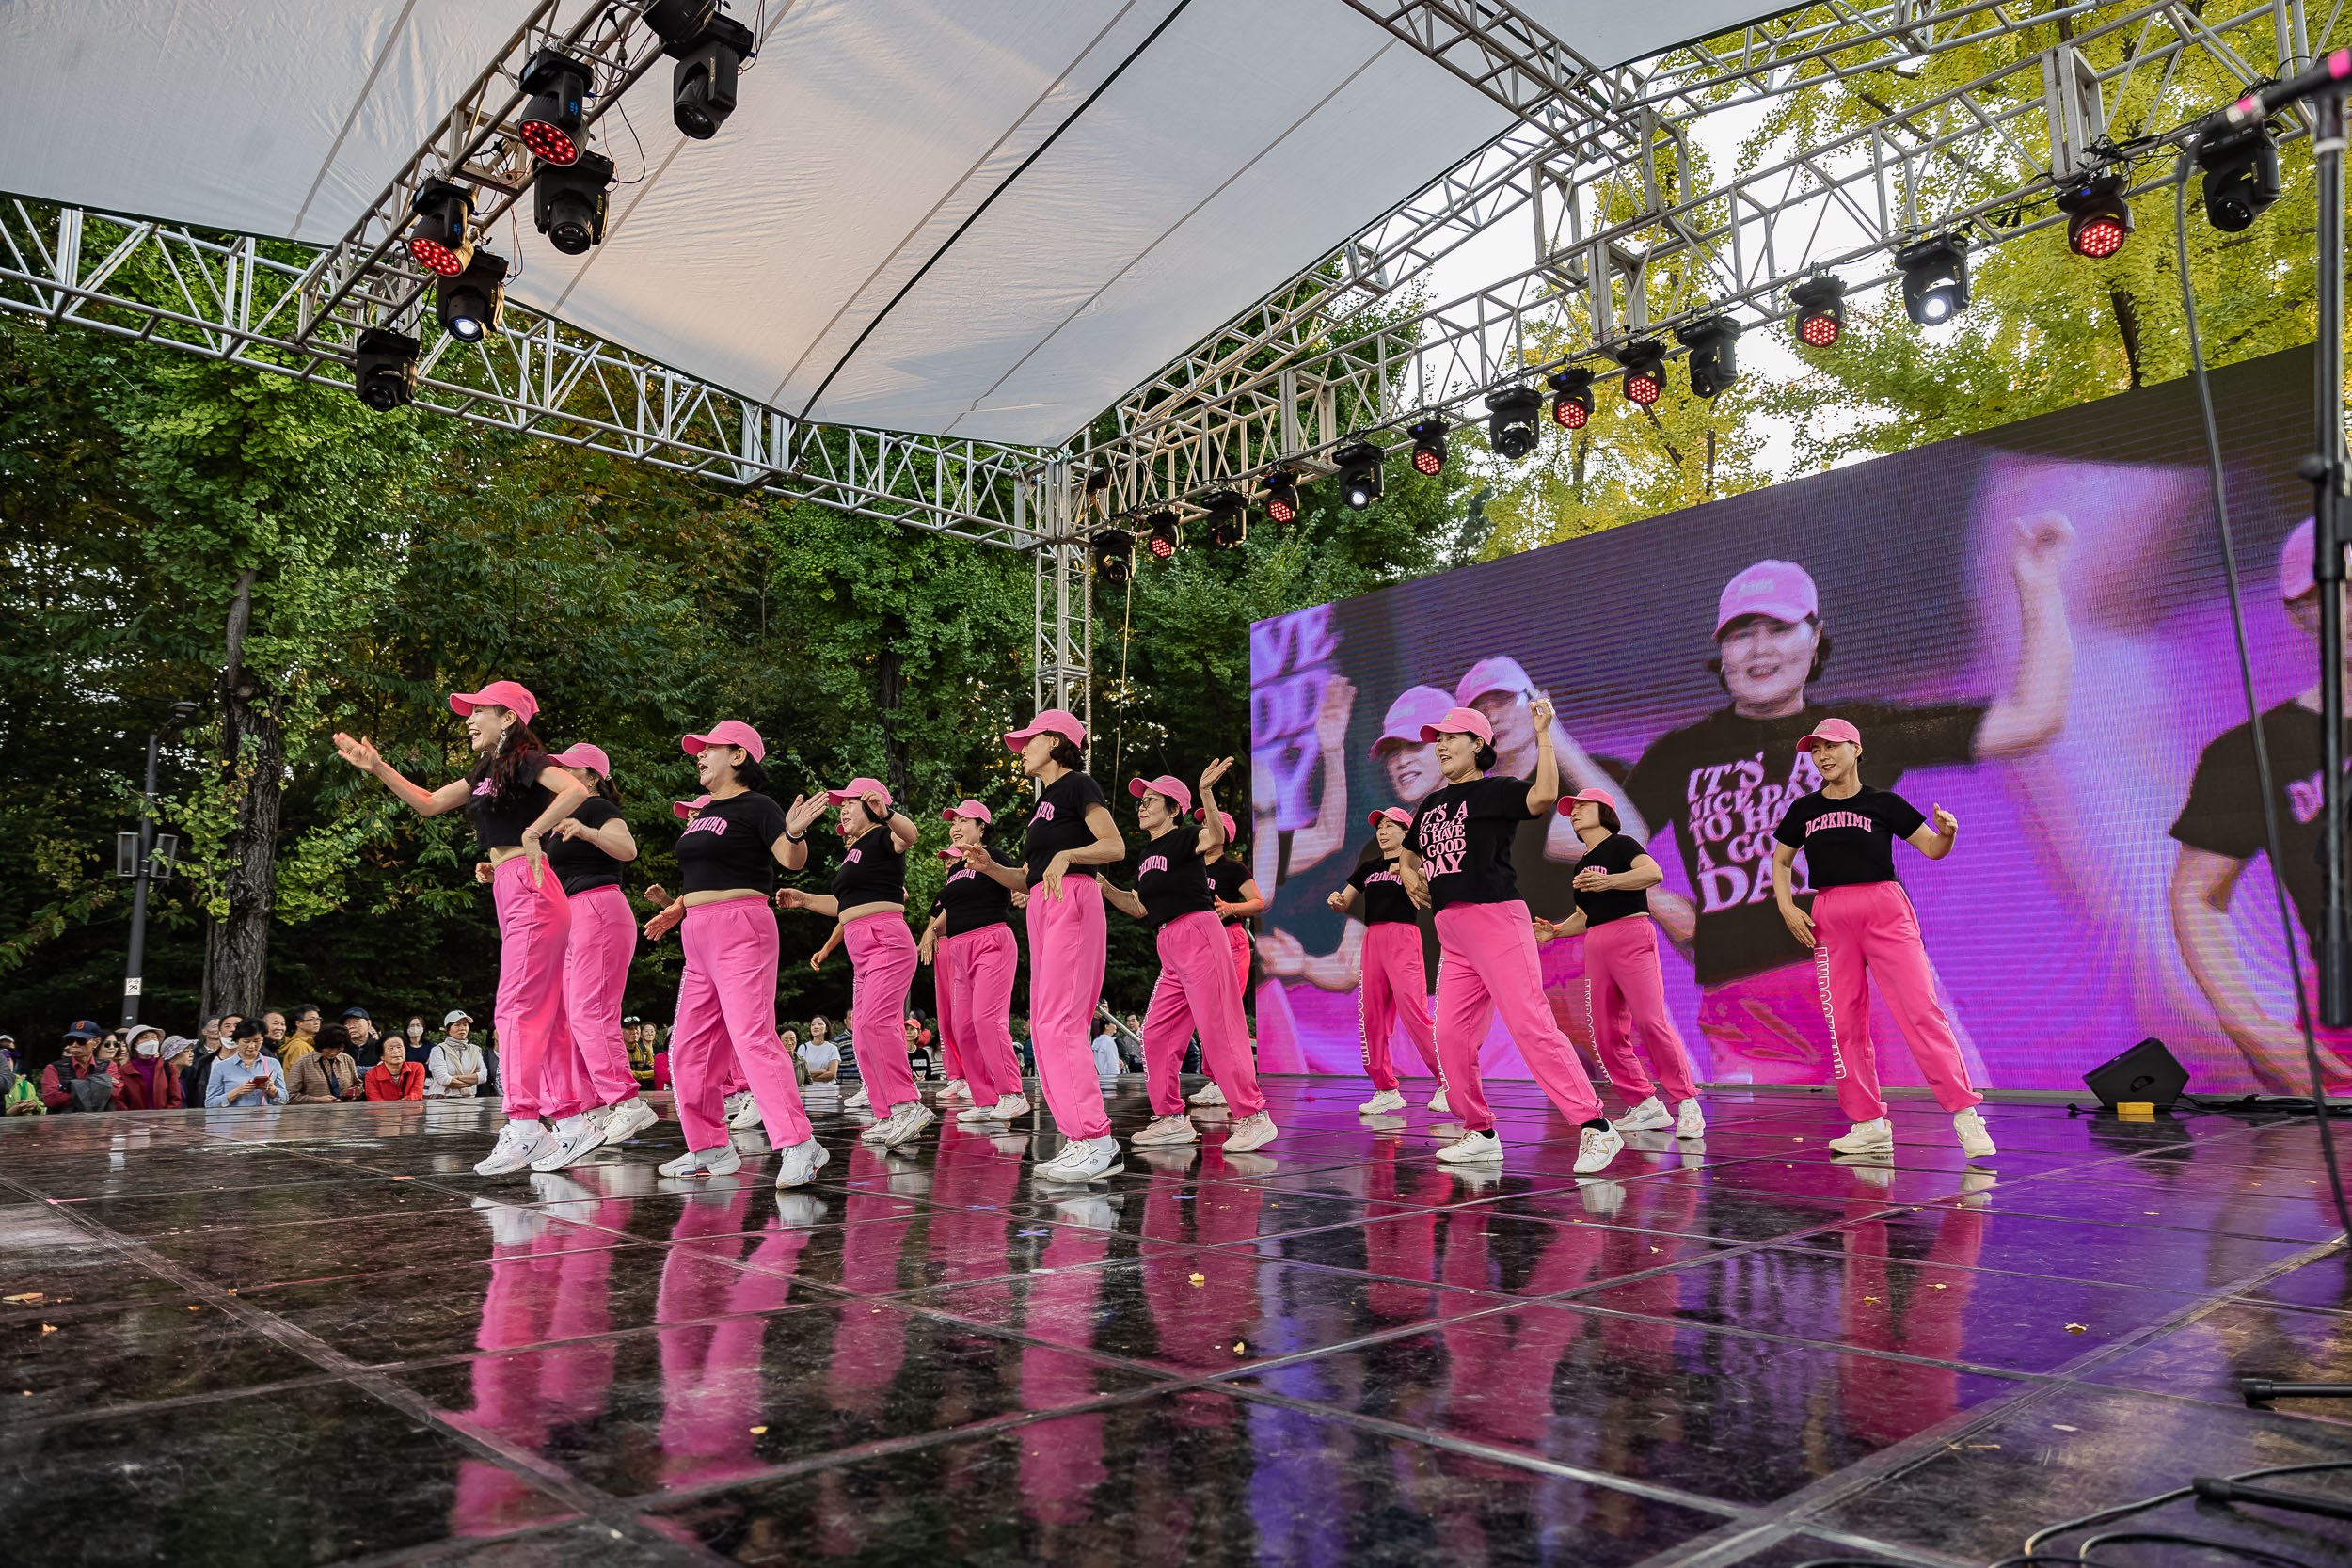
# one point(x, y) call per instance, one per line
point(248, 1075)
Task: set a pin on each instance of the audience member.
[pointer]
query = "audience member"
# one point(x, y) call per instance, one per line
point(248, 1075)
point(150, 1081)
point(365, 1045)
point(413, 1032)
point(75, 1081)
point(304, 1037)
point(1107, 1052)
point(19, 1095)
point(635, 1038)
point(456, 1068)
point(109, 1054)
point(325, 1076)
point(492, 1086)
point(395, 1076)
point(210, 1048)
point(274, 1035)
point(819, 1060)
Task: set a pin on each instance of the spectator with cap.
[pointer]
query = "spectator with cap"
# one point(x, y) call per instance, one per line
point(325, 1076)
point(637, 1038)
point(365, 1045)
point(150, 1080)
point(75, 1081)
point(246, 1075)
point(395, 1077)
point(304, 1037)
point(456, 1069)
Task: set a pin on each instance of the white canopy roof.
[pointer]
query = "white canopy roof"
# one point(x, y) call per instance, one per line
point(867, 240)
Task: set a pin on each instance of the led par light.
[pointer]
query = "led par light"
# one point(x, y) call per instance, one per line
point(1644, 364)
point(1820, 318)
point(474, 301)
point(550, 125)
point(1359, 473)
point(1714, 362)
point(568, 203)
point(1164, 537)
point(1936, 277)
point(439, 234)
point(1428, 447)
point(1571, 397)
point(1282, 496)
point(2098, 220)
point(384, 369)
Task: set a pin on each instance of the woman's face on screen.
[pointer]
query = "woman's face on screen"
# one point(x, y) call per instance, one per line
point(1412, 770)
point(1768, 661)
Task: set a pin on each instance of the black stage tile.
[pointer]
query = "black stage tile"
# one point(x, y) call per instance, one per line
point(2019, 1244)
point(73, 1363)
point(2204, 1359)
point(274, 1255)
point(48, 1262)
point(2323, 1283)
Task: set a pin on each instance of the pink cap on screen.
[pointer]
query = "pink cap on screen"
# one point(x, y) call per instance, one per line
point(858, 790)
point(586, 755)
point(1830, 730)
point(2296, 559)
point(1397, 814)
point(1168, 784)
point(972, 808)
point(680, 809)
point(1417, 706)
point(729, 732)
point(1780, 589)
point(1492, 675)
point(1061, 720)
point(511, 695)
point(1459, 721)
point(1596, 796)
point(1200, 814)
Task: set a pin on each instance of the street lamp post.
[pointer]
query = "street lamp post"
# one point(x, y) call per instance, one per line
point(134, 971)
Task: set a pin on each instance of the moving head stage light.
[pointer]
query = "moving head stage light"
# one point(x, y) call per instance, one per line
point(384, 369)
point(1571, 397)
point(550, 126)
point(1228, 519)
point(1714, 362)
point(1644, 364)
point(2241, 173)
point(1820, 318)
point(439, 234)
point(474, 301)
point(568, 203)
point(1936, 277)
point(1359, 473)
point(1511, 423)
point(2098, 220)
point(1282, 496)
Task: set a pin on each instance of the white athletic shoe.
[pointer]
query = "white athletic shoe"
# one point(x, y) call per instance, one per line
point(1596, 1148)
point(1177, 1129)
point(1866, 1137)
point(1974, 1140)
point(1650, 1115)
point(800, 1162)
point(1208, 1094)
point(743, 1111)
point(1250, 1132)
point(955, 1088)
point(624, 1121)
point(1690, 1121)
point(1014, 1104)
point(1473, 1148)
point(856, 1101)
point(1381, 1104)
point(519, 1144)
point(1438, 1102)
point(901, 1125)
point(1084, 1159)
point(572, 1141)
point(722, 1161)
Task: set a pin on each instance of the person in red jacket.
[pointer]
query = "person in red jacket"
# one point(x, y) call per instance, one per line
point(150, 1081)
point(79, 1061)
point(396, 1077)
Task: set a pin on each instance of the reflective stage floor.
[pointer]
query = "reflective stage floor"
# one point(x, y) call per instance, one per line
point(313, 1335)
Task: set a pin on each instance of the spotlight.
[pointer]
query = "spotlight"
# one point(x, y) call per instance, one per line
point(2241, 174)
point(438, 238)
point(568, 204)
point(384, 369)
point(702, 88)
point(1820, 318)
point(1511, 423)
point(1936, 277)
point(1644, 364)
point(678, 23)
point(1098, 479)
point(1282, 496)
point(1164, 537)
point(1115, 555)
point(1228, 519)
point(1714, 363)
point(2098, 220)
point(474, 301)
point(1571, 398)
point(1359, 473)
point(1428, 447)
point(550, 124)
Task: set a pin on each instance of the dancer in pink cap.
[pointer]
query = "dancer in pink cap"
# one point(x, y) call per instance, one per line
point(727, 859)
point(1234, 893)
point(868, 899)
point(1862, 927)
point(1387, 932)
point(1458, 860)
point(1071, 833)
point(1196, 988)
point(591, 846)
point(516, 795)
point(970, 937)
point(1623, 985)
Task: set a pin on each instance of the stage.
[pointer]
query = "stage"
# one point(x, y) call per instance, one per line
point(314, 1336)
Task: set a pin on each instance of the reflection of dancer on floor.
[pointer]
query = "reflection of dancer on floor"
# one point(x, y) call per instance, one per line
point(1237, 901)
point(1861, 928)
point(970, 939)
point(516, 795)
point(1622, 987)
point(1457, 861)
point(2221, 831)
point(1383, 946)
point(591, 846)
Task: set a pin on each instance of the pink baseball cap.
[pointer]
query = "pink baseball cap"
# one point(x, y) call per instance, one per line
point(951, 854)
point(1397, 814)
point(1167, 784)
point(1493, 674)
point(858, 790)
point(681, 808)
point(1459, 721)
point(505, 695)
point(972, 808)
point(585, 756)
point(1597, 797)
point(1417, 706)
point(1780, 589)
point(729, 732)
point(1200, 814)
point(2296, 559)
point(1829, 730)
point(1059, 720)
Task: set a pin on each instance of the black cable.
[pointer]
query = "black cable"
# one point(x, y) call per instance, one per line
point(2254, 1554)
point(2119, 1510)
point(2246, 676)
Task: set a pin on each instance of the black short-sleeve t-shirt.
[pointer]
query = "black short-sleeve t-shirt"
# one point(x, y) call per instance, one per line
point(1170, 879)
point(873, 870)
point(1463, 834)
point(1226, 875)
point(1849, 842)
point(499, 821)
point(1059, 823)
point(2223, 814)
point(972, 902)
point(579, 864)
point(1385, 902)
point(731, 844)
point(1615, 855)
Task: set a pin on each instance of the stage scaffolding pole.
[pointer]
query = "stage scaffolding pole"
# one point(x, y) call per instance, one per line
point(2327, 471)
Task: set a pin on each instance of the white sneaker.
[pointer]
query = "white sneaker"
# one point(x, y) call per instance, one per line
point(1649, 1116)
point(1974, 1140)
point(856, 1101)
point(722, 1161)
point(799, 1210)
point(1250, 1132)
point(624, 1121)
point(571, 1142)
point(955, 1088)
point(1084, 1159)
point(1473, 1148)
point(1438, 1102)
point(800, 1162)
point(902, 1124)
point(743, 1111)
point(1690, 1121)
point(519, 1143)
point(1208, 1094)
point(1381, 1104)
point(1866, 1137)
point(1596, 1148)
point(1014, 1104)
point(1177, 1129)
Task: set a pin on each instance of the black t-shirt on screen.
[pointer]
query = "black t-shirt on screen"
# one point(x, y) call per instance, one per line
point(1384, 900)
point(1059, 823)
point(579, 864)
point(873, 871)
point(499, 821)
point(1170, 879)
point(972, 902)
point(1615, 855)
point(731, 844)
point(1849, 842)
point(2223, 814)
point(1463, 834)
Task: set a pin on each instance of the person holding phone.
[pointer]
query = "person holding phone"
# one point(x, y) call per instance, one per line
point(248, 1075)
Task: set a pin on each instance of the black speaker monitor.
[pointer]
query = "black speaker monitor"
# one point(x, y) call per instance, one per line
point(2147, 1073)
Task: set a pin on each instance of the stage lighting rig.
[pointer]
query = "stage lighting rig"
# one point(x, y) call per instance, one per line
point(1359, 473)
point(1936, 277)
point(1282, 496)
point(2241, 173)
point(384, 369)
point(474, 301)
point(1162, 536)
point(1644, 364)
point(1428, 447)
point(1714, 362)
point(2098, 220)
point(1820, 318)
point(1115, 555)
point(439, 234)
point(1510, 424)
point(1228, 519)
point(568, 203)
point(550, 123)
point(1571, 397)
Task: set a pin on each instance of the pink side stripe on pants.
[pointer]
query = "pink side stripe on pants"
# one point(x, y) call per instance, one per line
point(1067, 953)
point(534, 928)
point(1489, 962)
point(1624, 990)
point(882, 961)
point(1196, 990)
point(1389, 992)
point(1868, 931)
point(727, 998)
point(975, 990)
point(596, 979)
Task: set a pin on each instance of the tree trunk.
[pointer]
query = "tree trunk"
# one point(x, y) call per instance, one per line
point(889, 682)
point(2127, 327)
point(236, 948)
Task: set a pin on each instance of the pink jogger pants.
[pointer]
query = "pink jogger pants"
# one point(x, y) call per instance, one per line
point(1196, 990)
point(1489, 962)
point(1066, 952)
point(596, 976)
point(1389, 993)
point(727, 998)
point(534, 928)
point(1237, 936)
point(974, 989)
point(882, 961)
point(1623, 991)
point(1868, 931)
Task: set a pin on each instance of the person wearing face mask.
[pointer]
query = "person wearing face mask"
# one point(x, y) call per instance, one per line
point(151, 1078)
point(1382, 950)
point(591, 846)
point(970, 939)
